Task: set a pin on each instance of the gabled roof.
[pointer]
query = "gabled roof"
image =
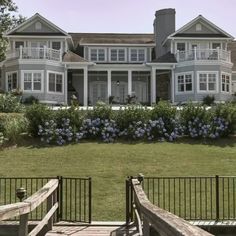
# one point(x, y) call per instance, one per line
point(56, 31)
point(111, 38)
point(216, 31)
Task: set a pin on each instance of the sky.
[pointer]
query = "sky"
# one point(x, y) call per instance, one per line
point(127, 16)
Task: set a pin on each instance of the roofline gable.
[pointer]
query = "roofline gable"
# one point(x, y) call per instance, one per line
point(200, 17)
point(32, 18)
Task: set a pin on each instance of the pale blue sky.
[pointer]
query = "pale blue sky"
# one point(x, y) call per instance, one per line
point(128, 16)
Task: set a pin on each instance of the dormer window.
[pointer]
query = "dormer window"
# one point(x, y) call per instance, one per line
point(38, 26)
point(198, 27)
point(137, 55)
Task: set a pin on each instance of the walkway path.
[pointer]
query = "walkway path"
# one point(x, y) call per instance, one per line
point(95, 229)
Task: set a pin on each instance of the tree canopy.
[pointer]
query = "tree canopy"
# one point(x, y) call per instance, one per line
point(9, 18)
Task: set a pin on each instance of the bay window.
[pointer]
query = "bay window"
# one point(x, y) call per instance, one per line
point(225, 83)
point(12, 80)
point(32, 81)
point(207, 82)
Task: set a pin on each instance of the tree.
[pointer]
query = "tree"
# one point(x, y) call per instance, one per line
point(8, 20)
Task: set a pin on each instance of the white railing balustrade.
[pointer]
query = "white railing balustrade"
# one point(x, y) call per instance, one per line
point(203, 54)
point(34, 53)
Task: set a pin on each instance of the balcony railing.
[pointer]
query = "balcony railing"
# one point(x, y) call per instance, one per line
point(34, 53)
point(203, 54)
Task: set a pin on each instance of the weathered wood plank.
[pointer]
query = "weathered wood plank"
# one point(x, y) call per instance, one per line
point(164, 222)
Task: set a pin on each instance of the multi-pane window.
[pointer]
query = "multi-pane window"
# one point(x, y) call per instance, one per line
point(225, 83)
point(97, 54)
point(137, 55)
point(55, 82)
point(56, 45)
point(32, 81)
point(207, 82)
point(181, 46)
point(216, 45)
point(185, 83)
point(117, 55)
point(11, 81)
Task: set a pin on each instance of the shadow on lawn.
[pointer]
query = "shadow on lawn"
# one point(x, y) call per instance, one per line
point(33, 143)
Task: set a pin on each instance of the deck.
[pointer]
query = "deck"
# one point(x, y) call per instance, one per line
point(94, 229)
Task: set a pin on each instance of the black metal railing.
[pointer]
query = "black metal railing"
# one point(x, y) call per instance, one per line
point(192, 198)
point(74, 196)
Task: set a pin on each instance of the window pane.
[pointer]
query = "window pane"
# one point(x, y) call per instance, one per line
point(14, 80)
point(121, 55)
point(134, 55)
point(58, 83)
point(51, 82)
point(180, 83)
point(188, 82)
point(18, 44)
point(93, 54)
point(141, 55)
point(37, 81)
point(27, 81)
point(113, 55)
point(101, 55)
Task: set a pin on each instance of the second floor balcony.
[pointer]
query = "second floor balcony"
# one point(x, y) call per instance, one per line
point(34, 53)
point(204, 55)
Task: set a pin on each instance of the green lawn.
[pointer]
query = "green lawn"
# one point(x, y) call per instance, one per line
point(110, 164)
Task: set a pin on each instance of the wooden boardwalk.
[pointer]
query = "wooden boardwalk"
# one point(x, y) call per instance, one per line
point(95, 229)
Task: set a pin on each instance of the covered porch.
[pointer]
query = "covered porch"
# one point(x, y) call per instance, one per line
point(142, 84)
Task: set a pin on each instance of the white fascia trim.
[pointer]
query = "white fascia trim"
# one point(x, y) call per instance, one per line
point(133, 67)
point(38, 36)
point(206, 62)
point(37, 15)
point(32, 71)
point(196, 38)
point(217, 82)
point(79, 63)
point(63, 82)
point(176, 82)
point(118, 44)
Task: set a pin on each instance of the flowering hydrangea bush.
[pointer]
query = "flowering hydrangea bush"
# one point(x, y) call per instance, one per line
point(50, 133)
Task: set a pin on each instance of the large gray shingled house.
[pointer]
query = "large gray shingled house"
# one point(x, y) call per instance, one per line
point(188, 64)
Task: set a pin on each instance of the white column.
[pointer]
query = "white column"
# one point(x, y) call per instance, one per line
point(153, 86)
point(129, 82)
point(85, 86)
point(21, 51)
point(108, 84)
point(65, 86)
point(172, 86)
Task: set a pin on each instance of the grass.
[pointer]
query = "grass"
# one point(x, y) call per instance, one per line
point(110, 164)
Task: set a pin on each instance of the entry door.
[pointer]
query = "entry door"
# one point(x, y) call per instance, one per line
point(140, 89)
point(98, 92)
point(37, 49)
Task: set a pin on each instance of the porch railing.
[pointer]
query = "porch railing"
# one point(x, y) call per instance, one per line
point(34, 53)
point(204, 54)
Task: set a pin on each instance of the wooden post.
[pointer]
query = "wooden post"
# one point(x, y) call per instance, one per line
point(23, 228)
point(44, 51)
point(50, 201)
point(195, 53)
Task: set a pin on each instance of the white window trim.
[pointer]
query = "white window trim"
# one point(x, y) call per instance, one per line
point(117, 48)
point(176, 84)
point(56, 41)
point(32, 71)
point(97, 48)
point(145, 54)
point(208, 91)
point(6, 80)
point(63, 82)
point(230, 83)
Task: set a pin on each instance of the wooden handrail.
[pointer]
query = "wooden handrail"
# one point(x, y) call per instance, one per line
point(164, 222)
point(22, 209)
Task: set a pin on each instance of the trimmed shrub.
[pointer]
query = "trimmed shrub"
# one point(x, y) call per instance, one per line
point(12, 126)
point(101, 110)
point(10, 103)
point(30, 100)
point(38, 114)
point(208, 100)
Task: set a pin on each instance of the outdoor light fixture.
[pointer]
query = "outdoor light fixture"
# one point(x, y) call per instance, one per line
point(21, 193)
point(117, 82)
